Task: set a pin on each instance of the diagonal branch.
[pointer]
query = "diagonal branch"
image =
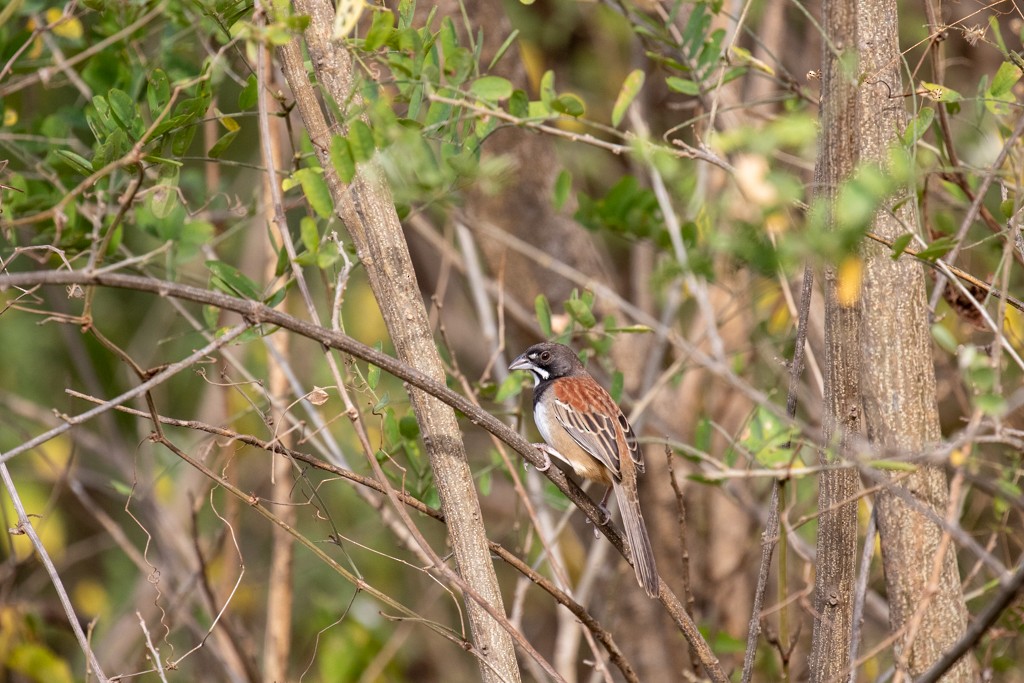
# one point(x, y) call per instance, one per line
point(259, 313)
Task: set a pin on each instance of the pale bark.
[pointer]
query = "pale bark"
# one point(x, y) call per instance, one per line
point(898, 380)
point(368, 212)
point(880, 379)
point(841, 421)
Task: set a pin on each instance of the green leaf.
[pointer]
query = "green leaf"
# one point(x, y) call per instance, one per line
point(570, 105)
point(547, 88)
point(341, 158)
point(631, 329)
point(702, 479)
point(543, 311)
point(76, 161)
point(310, 234)
point(225, 140)
point(503, 49)
point(360, 141)
point(899, 245)
point(918, 126)
point(993, 24)
point(248, 97)
point(229, 279)
point(277, 297)
point(373, 376)
point(1004, 81)
point(937, 249)
point(192, 236)
point(222, 144)
point(580, 312)
point(164, 197)
point(315, 189)
point(940, 93)
point(182, 139)
point(627, 93)
point(702, 435)
point(510, 387)
point(409, 428)
point(944, 338)
point(563, 184)
point(123, 108)
point(618, 383)
point(519, 104)
point(682, 85)
point(380, 30)
point(158, 91)
point(154, 159)
point(766, 435)
point(1000, 94)
point(492, 88)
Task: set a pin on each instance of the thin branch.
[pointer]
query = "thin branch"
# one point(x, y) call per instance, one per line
point(25, 527)
point(978, 628)
point(260, 313)
point(142, 388)
point(771, 531)
point(972, 212)
point(861, 591)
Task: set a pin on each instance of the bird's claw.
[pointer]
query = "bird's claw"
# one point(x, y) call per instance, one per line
point(543, 448)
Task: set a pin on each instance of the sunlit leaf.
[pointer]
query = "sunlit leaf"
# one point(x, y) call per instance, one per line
point(569, 104)
point(938, 248)
point(360, 141)
point(315, 189)
point(682, 85)
point(341, 158)
point(627, 93)
point(918, 126)
point(492, 88)
point(848, 280)
point(70, 27)
point(563, 184)
point(543, 311)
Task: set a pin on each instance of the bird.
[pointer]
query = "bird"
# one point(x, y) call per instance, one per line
point(583, 427)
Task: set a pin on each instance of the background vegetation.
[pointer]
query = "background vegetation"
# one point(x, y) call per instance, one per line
point(200, 243)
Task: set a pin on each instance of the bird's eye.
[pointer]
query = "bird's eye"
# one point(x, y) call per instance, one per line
point(545, 356)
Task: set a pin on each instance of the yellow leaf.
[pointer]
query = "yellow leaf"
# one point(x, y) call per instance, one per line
point(775, 223)
point(47, 523)
point(90, 597)
point(10, 116)
point(70, 27)
point(1014, 321)
point(959, 456)
point(851, 272)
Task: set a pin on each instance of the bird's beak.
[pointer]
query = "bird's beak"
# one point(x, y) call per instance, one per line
point(521, 363)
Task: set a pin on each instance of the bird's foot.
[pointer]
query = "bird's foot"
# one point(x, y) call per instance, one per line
point(606, 516)
point(546, 451)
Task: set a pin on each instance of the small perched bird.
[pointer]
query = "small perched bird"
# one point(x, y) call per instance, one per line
point(586, 430)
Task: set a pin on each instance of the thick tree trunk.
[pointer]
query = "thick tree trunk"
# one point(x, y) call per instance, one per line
point(880, 379)
point(837, 525)
point(898, 382)
point(369, 214)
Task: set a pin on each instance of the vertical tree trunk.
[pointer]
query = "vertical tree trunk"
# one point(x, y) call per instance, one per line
point(837, 525)
point(880, 379)
point(898, 378)
point(366, 207)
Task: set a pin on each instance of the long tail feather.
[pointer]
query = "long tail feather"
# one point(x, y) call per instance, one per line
point(636, 535)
